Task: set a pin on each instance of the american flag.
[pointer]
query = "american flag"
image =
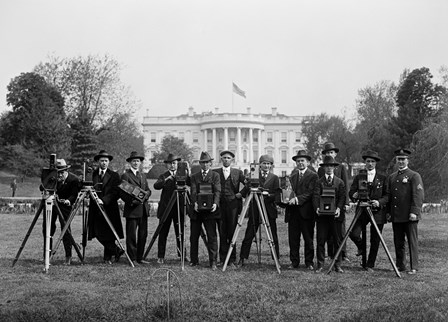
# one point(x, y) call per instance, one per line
point(238, 90)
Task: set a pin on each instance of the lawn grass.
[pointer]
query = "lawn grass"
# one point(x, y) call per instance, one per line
point(98, 292)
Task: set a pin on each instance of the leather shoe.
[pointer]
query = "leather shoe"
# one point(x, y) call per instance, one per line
point(213, 266)
point(310, 267)
point(412, 272)
point(293, 266)
point(319, 269)
point(401, 269)
point(143, 262)
point(119, 253)
point(338, 269)
point(160, 261)
point(241, 262)
point(192, 264)
point(107, 262)
point(369, 269)
point(68, 261)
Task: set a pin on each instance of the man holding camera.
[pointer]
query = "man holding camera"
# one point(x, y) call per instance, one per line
point(270, 187)
point(230, 203)
point(205, 193)
point(329, 224)
point(372, 189)
point(405, 191)
point(66, 192)
point(167, 183)
point(135, 212)
point(105, 182)
point(301, 213)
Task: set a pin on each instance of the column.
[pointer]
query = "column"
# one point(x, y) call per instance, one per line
point(251, 139)
point(239, 156)
point(214, 143)
point(205, 140)
point(291, 142)
point(226, 138)
point(259, 143)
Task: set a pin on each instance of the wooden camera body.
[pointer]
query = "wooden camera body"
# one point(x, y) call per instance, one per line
point(205, 197)
point(327, 202)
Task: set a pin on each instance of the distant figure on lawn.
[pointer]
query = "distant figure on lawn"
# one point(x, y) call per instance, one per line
point(13, 186)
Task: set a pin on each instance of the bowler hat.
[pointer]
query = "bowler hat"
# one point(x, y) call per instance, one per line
point(205, 157)
point(170, 158)
point(328, 147)
point(371, 154)
point(402, 152)
point(102, 154)
point(134, 155)
point(301, 154)
point(266, 158)
point(329, 160)
point(61, 165)
point(227, 152)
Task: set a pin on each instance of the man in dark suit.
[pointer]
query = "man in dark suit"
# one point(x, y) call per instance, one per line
point(270, 185)
point(105, 182)
point(135, 212)
point(301, 212)
point(67, 189)
point(377, 196)
point(405, 190)
point(208, 217)
point(329, 225)
point(167, 182)
point(340, 172)
point(230, 203)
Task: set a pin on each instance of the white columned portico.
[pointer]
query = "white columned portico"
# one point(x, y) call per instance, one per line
point(214, 143)
point(226, 138)
point(259, 143)
point(251, 149)
point(205, 140)
point(239, 156)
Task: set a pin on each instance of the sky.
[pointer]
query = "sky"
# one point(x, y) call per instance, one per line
point(303, 57)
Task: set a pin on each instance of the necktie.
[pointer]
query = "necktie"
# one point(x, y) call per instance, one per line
point(329, 180)
point(137, 174)
point(300, 176)
point(226, 173)
point(265, 174)
point(101, 175)
point(204, 175)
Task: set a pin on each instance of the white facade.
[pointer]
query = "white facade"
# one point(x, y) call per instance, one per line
point(248, 135)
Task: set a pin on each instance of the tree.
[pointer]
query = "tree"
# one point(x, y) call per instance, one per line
point(174, 145)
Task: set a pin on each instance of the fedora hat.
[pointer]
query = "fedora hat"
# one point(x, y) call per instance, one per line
point(402, 152)
point(134, 155)
point(61, 165)
point(301, 154)
point(170, 158)
point(102, 154)
point(205, 157)
point(328, 147)
point(329, 160)
point(266, 158)
point(371, 154)
point(227, 152)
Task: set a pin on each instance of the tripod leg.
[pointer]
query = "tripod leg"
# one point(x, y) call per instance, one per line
point(162, 221)
point(41, 207)
point(237, 229)
point(265, 220)
point(372, 222)
point(85, 226)
point(347, 233)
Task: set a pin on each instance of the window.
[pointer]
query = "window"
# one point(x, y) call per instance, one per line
point(209, 137)
point(182, 136)
point(298, 137)
point(153, 137)
point(244, 156)
point(283, 137)
point(232, 135)
point(283, 173)
point(283, 155)
point(195, 137)
point(269, 136)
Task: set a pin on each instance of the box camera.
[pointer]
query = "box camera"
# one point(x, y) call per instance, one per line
point(363, 186)
point(287, 192)
point(135, 191)
point(49, 175)
point(87, 174)
point(327, 202)
point(205, 197)
point(254, 175)
point(181, 173)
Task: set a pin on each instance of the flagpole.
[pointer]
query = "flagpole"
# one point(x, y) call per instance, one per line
point(232, 96)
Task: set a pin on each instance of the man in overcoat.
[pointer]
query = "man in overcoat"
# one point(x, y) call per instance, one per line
point(270, 186)
point(167, 183)
point(378, 198)
point(230, 203)
point(105, 182)
point(301, 212)
point(135, 212)
point(329, 225)
point(207, 217)
point(405, 190)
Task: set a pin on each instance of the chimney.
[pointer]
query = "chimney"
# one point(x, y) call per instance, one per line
point(274, 111)
point(190, 111)
point(249, 110)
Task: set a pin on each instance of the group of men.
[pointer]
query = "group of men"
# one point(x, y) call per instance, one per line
point(400, 196)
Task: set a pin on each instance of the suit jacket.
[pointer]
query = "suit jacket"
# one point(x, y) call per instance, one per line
point(405, 191)
point(377, 191)
point(341, 172)
point(271, 184)
point(108, 192)
point(236, 178)
point(68, 190)
point(303, 190)
point(341, 194)
point(212, 178)
point(168, 189)
point(132, 210)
